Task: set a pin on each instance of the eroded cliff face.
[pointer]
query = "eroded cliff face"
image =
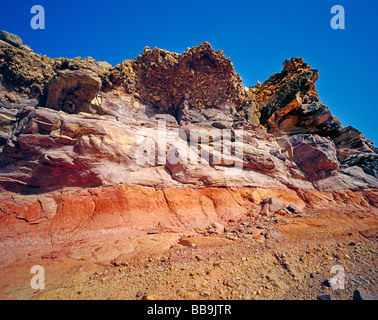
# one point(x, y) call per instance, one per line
point(178, 131)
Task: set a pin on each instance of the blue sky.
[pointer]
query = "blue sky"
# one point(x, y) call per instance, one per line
point(257, 35)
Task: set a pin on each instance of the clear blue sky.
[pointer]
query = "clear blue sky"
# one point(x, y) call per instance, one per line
point(257, 35)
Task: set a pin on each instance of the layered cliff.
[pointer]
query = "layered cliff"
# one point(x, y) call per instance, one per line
point(166, 139)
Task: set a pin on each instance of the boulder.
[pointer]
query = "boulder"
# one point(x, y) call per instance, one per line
point(271, 206)
point(293, 208)
point(10, 38)
point(72, 91)
point(216, 228)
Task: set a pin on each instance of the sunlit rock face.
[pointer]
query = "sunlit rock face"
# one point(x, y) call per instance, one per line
point(168, 137)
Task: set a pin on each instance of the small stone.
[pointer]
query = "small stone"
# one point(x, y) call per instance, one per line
point(10, 97)
point(363, 295)
point(205, 293)
point(292, 208)
point(324, 297)
point(140, 293)
point(217, 227)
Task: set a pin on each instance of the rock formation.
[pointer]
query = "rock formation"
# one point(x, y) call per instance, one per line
point(166, 140)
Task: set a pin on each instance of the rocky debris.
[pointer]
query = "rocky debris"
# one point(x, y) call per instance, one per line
point(289, 267)
point(10, 38)
point(363, 295)
point(324, 297)
point(72, 91)
point(203, 241)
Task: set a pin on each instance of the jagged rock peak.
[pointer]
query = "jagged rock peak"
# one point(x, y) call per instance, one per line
point(296, 80)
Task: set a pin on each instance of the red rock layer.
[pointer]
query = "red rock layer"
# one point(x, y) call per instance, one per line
point(72, 211)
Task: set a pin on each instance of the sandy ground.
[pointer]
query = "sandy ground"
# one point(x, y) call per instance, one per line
point(281, 257)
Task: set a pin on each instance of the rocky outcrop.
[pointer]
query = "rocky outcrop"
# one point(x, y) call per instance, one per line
point(296, 118)
point(354, 149)
point(199, 79)
point(179, 132)
point(23, 74)
point(296, 80)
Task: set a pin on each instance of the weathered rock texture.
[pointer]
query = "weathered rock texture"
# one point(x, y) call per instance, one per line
point(82, 124)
